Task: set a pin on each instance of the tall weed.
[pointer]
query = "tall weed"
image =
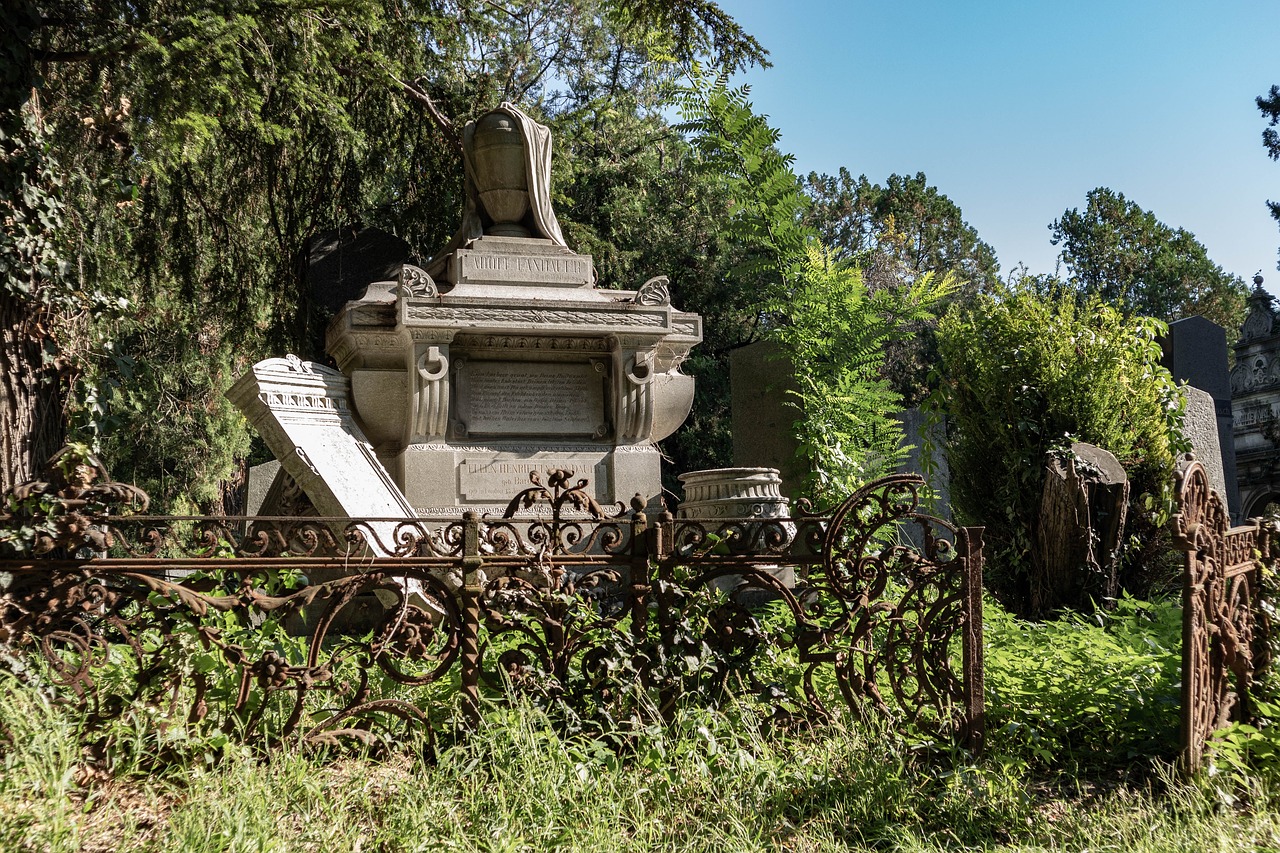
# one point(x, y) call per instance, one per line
point(1097, 690)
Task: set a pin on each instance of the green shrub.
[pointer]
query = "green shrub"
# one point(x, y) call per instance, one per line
point(1025, 373)
point(834, 329)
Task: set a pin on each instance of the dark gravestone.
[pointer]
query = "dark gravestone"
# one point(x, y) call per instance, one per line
point(764, 408)
point(342, 262)
point(921, 438)
point(763, 403)
point(1195, 352)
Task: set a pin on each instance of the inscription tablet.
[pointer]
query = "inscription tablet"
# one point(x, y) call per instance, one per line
point(500, 478)
point(484, 267)
point(532, 398)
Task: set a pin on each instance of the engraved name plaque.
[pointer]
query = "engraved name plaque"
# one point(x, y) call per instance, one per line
point(532, 398)
point(485, 267)
point(500, 479)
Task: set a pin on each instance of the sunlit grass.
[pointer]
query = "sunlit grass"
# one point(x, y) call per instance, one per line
point(711, 781)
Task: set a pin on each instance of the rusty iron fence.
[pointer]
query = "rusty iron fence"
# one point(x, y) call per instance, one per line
point(1224, 631)
point(272, 628)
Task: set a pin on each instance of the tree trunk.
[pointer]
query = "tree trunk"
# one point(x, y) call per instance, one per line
point(31, 420)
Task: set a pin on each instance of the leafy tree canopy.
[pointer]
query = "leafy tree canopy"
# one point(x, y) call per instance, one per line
point(896, 233)
point(1269, 104)
point(185, 150)
point(906, 219)
point(1116, 250)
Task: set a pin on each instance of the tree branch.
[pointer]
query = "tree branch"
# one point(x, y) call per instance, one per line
point(42, 55)
point(442, 121)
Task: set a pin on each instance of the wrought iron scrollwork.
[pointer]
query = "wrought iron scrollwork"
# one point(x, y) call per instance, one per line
point(903, 584)
point(65, 512)
point(1221, 584)
point(332, 629)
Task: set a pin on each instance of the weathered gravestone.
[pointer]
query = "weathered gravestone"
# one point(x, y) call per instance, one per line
point(1195, 352)
point(763, 405)
point(1082, 513)
point(1201, 426)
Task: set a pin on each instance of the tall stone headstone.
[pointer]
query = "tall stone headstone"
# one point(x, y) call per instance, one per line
point(1200, 426)
point(926, 456)
point(1195, 352)
point(764, 410)
point(342, 262)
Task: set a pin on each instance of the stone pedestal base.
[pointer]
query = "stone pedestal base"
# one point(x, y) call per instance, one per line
point(722, 495)
point(733, 493)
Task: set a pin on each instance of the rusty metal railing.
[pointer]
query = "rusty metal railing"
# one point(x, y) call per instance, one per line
point(273, 628)
point(1222, 648)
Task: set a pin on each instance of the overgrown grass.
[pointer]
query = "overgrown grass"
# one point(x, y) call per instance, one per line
point(1085, 691)
point(1081, 733)
point(713, 781)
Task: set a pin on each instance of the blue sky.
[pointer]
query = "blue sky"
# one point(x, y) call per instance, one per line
point(1015, 110)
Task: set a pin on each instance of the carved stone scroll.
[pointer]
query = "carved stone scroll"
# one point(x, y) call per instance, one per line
point(431, 404)
point(634, 392)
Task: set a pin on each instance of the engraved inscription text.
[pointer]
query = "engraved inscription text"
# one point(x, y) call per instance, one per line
point(532, 398)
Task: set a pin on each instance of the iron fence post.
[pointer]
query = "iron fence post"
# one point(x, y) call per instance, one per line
point(639, 576)
point(471, 591)
point(659, 541)
point(973, 660)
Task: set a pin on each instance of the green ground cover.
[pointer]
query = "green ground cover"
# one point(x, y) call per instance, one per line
point(1082, 733)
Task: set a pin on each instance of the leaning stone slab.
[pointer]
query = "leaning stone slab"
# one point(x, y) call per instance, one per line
point(1200, 427)
point(302, 411)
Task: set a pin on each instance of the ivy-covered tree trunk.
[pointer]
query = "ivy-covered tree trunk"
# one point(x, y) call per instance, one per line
point(31, 422)
point(32, 426)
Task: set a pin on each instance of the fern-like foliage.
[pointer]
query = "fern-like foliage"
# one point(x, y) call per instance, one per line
point(836, 334)
point(769, 201)
point(831, 325)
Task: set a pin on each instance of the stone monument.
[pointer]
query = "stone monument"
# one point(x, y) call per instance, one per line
point(501, 356)
point(1195, 352)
